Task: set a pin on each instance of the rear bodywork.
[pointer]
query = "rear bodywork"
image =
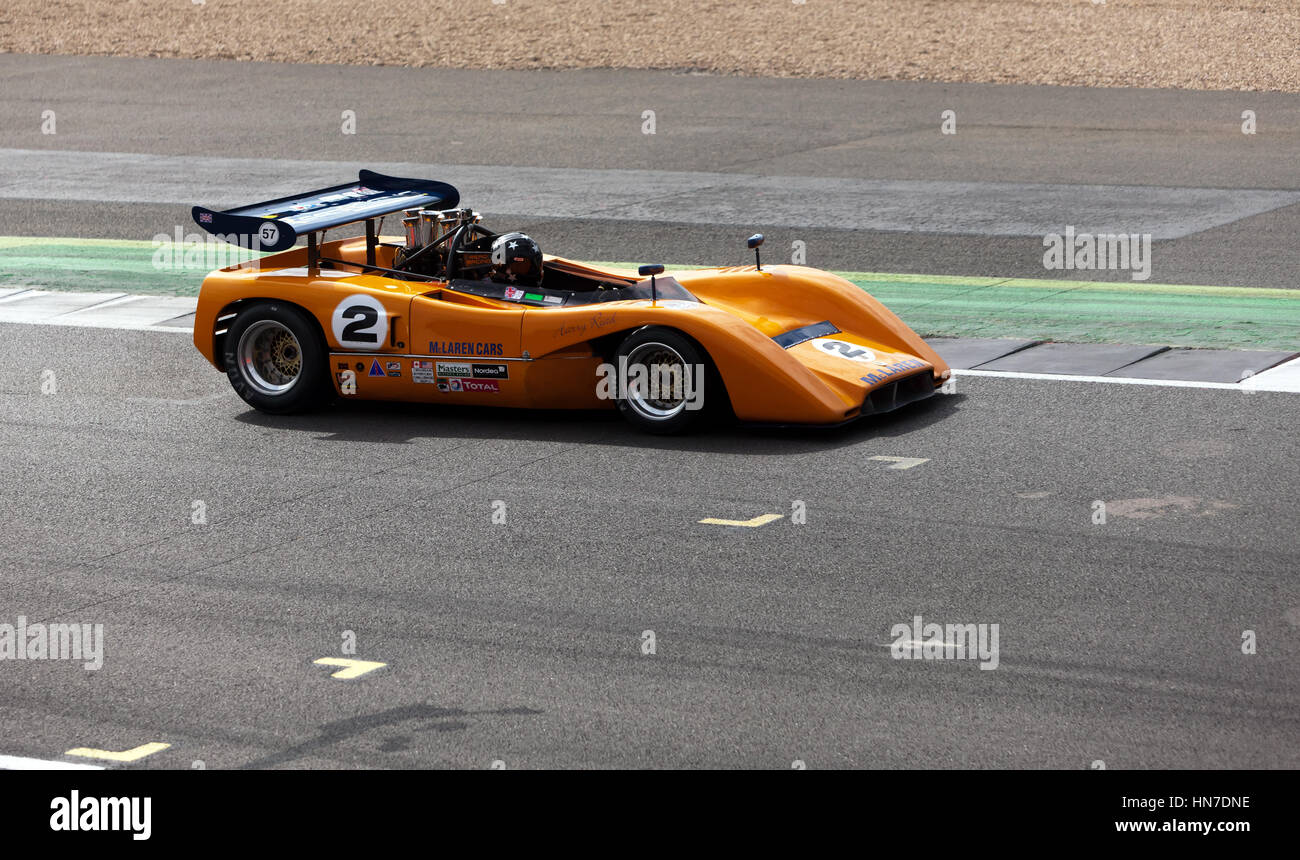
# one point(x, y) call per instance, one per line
point(791, 344)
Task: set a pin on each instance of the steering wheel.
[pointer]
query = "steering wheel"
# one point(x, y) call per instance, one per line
point(464, 234)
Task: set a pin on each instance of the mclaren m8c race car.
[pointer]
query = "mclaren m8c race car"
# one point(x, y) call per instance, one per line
point(451, 312)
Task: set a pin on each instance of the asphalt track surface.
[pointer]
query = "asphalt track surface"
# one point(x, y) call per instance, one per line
point(522, 642)
point(1165, 140)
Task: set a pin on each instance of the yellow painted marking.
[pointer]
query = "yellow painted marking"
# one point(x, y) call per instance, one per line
point(760, 520)
point(351, 668)
point(125, 755)
point(902, 462)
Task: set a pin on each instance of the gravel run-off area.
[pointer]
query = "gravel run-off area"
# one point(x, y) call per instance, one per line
point(1194, 44)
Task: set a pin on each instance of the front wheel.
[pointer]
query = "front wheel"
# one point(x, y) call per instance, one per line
point(665, 381)
point(275, 359)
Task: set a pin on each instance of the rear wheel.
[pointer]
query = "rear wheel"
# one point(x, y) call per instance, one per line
point(275, 359)
point(670, 385)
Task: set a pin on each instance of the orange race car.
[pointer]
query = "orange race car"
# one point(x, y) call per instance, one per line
point(454, 313)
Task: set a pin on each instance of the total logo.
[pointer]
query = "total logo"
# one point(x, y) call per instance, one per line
point(474, 386)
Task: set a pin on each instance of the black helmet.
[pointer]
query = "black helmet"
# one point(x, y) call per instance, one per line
point(516, 259)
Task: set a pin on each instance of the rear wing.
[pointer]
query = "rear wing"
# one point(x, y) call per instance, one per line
point(276, 224)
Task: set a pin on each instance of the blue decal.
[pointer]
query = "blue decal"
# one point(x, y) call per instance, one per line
point(892, 370)
point(465, 347)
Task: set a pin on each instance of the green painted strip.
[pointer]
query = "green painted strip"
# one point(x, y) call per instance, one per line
point(111, 265)
point(1085, 311)
point(934, 305)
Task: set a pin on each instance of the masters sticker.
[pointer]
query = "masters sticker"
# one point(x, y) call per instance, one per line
point(454, 368)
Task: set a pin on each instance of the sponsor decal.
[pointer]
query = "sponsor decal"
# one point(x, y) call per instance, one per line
point(843, 349)
point(535, 297)
point(464, 347)
point(466, 370)
point(394, 368)
point(335, 199)
point(489, 371)
point(454, 368)
point(343, 365)
point(886, 371)
point(422, 372)
point(376, 369)
point(477, 386)
point(553, 300)
point(514, 293)
point(443, 385)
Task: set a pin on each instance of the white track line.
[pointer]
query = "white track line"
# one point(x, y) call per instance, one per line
point(13, 762)
point(1259, 382)
point(1283, 377)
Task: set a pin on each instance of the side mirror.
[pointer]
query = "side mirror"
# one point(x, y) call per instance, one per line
point(753, 242)
point(652, 269)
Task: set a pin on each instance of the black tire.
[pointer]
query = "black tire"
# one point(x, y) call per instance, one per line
point(675, 414)
point(275, 358)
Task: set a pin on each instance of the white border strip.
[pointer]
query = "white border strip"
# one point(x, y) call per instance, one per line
point(98, 323)
point(1282, 377)
point(1272, 379)
point(14, 762)
point(1285, 377)
point(113, 311)
point(1119, 380)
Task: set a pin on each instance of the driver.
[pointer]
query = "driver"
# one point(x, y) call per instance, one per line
point(516, 259)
